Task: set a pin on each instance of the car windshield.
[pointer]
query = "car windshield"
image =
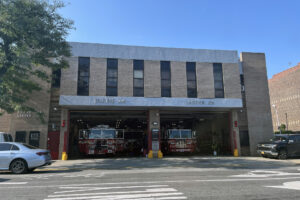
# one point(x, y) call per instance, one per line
point(29, 146)
point(279, 139)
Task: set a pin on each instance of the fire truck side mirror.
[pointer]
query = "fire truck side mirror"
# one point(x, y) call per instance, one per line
point(194, 134)
point(85, 134)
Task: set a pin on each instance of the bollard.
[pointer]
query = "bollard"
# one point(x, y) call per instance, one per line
point(160, 154)
point(64, 156)
point(150, 154)
point(235, 153)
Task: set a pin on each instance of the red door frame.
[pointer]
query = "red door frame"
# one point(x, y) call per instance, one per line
point(54, 149)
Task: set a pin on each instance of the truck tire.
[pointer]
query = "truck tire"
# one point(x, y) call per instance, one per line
point(282, 154)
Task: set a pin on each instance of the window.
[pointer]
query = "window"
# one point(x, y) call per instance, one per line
point(56, 74)
point(15, 148)
point(112, 77)
point(191, 79)
point(34, 138)
point(138, 78)
point(165, 73)
point(20, 136)
point(83, 76)
point(5, 147)
point(7, 137)
point(218, 80)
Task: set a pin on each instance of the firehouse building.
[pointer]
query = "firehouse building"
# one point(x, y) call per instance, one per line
point(147, 91)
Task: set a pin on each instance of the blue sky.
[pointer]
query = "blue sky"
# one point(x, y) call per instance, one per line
point(269, 26)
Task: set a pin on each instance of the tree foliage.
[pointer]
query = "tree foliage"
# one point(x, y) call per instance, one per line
point(32, 39)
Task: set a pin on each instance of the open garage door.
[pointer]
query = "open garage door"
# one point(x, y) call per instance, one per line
point(130, 128)
point(211, 129)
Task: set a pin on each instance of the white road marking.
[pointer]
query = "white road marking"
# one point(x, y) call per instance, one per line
point(265, 174)
point(126, 192)
point(294, 185)
point(104, 188)
point(123, 196)
point(160, 182)
point(132, 192)
point(161, 198)
point(13, 183)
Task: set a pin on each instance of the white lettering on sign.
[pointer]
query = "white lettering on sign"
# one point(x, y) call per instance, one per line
point(22, 114)
point(200, 102)
point(109, 101)
point(149, 102)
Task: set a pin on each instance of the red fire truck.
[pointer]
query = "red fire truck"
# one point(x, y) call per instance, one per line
point(179, 140)
point(101, 140)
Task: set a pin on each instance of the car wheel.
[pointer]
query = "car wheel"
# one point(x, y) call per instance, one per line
point(282, 155)
point(18, 166)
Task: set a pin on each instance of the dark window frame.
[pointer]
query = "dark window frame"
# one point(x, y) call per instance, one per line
point(82, 89)
point(56, 75)
point(138, 91)
point(191, 78)
point(218, 78)
point(18, 139)
point(32, 142)
point(111, 65)
point(165, 75)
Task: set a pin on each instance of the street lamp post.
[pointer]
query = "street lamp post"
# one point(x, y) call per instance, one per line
point(274, 106)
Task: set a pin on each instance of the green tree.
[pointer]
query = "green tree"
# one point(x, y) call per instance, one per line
point(32, 39)
point(282, 128)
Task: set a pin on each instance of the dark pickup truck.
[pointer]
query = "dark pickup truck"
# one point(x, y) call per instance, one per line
point(280, 146)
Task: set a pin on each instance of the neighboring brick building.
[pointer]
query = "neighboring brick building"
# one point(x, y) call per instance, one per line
point(285, 98)
point(222, 97)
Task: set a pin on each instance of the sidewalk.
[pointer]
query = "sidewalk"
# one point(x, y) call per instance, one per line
point(172, 162)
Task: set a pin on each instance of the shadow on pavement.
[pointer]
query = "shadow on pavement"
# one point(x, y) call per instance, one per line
point(43, 171)
point(182, 162)
point(3, 180)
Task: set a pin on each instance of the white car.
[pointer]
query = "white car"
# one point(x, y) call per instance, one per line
point(21, 158)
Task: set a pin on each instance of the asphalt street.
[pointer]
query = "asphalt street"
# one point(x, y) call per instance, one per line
point(169, 178)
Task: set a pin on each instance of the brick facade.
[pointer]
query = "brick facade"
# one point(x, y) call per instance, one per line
point(285, 97)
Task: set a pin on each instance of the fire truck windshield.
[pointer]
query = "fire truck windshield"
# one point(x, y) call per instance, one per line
point(102, 134)
point(180, 134)
point(186, 134)
point(174, 134)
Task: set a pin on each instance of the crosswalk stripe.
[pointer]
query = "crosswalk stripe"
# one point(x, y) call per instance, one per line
point(105, 188)
point(14, 183)
point(125, 192)
point(157, 198)
point(127, 196)
point(150, 198)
